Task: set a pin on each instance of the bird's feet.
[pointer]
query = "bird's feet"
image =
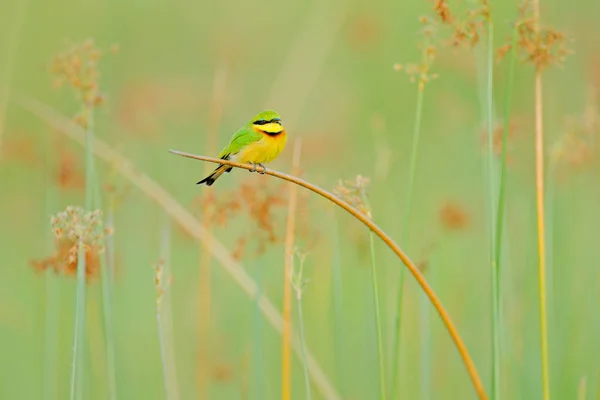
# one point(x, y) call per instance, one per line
point(264, 171)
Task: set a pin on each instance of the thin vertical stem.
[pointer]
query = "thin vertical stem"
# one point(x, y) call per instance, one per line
point(338, 307)
point(407, 211)
point(258, 364)
point(106, 275)
point(539, 179)
point(166, 313)
point(163, 352)
point(52, 291)
point(286, 348)
point(77, 359)
point(425, 347)
point(496, 324)
point(298, 282)
point(303, 345)
point(382, 389)
point(496, 285)
point(77, 371)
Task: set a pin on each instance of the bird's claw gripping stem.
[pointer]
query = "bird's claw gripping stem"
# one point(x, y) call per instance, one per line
point(264, 171)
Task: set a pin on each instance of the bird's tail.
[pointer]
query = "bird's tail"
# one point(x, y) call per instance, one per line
point(209, 180)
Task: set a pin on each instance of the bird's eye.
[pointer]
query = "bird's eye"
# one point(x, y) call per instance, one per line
point(260, 121)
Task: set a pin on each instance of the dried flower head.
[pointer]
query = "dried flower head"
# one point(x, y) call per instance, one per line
point(465, 31)
point(453, 216)
point(355, 193)
point(71, 228)
point(257, 201)
point(78, 68)
point(421, 72)
point(540, 46)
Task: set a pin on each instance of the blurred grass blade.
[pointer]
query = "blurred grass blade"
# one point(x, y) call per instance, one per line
point(405, 229)
point(79, 326)
point(497, 327)
point(286, 390)
point(382, 388)
point(495, 273)
point(338, 309)
point(541, 229)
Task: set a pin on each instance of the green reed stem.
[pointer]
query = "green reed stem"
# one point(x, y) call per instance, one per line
point(79, 326)
point(298, 284)
point(495, 278)
point(425, 352)
point(257, 336)
point(496, 284)
point(338, 308)
point(407, 212)
point(303, 344)
point(106, 274)
point(377, 319)
point(52, 291)
point(77, 368)
point(382, 394)
point(163, 352)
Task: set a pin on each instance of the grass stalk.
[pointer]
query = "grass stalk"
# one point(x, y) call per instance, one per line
point(405, 230)
point(51, 328)
point(79, 325)
point(375, 284)
point(303, 342)
point(496, 284)
point(106, 275)
point(77, 364)
point(167, 313)
point(298, 282)
point(287, 281)
point(337, 307)
point(380, 355)
point(108, 327)
point(425, 353)
point(495, 273)
point(163, 351)
point(257, 358)
point(541, 236)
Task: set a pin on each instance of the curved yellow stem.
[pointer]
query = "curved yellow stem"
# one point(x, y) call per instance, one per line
point(386, 239)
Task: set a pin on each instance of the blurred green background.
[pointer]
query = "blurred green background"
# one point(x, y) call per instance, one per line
point(186, 76)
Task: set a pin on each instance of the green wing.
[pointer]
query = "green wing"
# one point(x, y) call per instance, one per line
point(239, 140)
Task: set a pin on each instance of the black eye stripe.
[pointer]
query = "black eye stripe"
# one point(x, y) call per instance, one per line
point(264, 122)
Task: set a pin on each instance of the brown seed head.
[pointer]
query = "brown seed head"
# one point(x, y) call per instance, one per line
point(453, 216)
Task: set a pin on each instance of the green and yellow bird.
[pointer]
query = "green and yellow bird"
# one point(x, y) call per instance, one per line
point(259, 141)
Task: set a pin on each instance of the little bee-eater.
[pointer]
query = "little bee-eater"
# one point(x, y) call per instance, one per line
point(259, 141)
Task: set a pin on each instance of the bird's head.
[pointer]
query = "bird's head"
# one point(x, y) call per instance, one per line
point(267, 122)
